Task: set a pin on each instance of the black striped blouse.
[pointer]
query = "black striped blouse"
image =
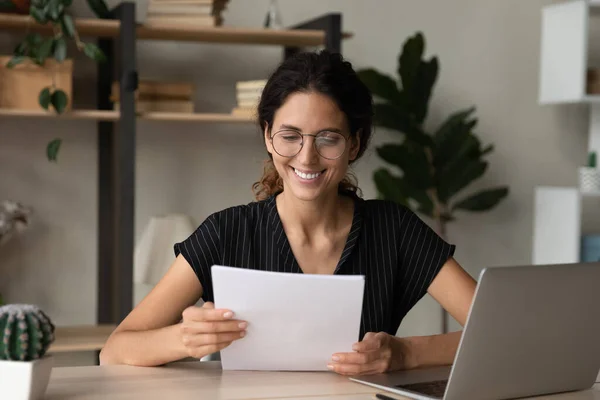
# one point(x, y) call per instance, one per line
point(398, 253)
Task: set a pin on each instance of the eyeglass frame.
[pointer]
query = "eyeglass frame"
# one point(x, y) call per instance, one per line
point(314, 135)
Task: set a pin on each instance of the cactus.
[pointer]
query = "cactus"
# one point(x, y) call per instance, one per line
point(25, 332)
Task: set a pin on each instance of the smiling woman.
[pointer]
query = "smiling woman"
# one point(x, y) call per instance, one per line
point(308, 218)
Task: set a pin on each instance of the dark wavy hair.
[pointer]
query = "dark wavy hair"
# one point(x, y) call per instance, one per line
point(326, 73)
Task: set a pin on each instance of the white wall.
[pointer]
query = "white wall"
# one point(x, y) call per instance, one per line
point(489, 57)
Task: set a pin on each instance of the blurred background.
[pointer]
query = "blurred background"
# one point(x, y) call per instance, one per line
point(496, 56)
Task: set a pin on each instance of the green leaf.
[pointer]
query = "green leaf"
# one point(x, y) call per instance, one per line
point(93, 52)
point(390, 187)
point(67, 25)
point(391, 117)
point(447, 128)
point(59, 101)
point(99, 8)
point(483, 200)
point(33, 39)
point(451, 184)
point(60, 49)
point(52, 149)
point(55, 9)
point(409, 60)
point(21, 49)
point(38, 14)
point(381, 85)
point(45, 98)
point(488, 149)
point(422, 88)
point(411, 160)
point(15, 60)
point(44, 50)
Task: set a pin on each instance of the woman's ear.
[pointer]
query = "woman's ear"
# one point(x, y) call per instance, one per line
point(268, 139)
point(355, 146)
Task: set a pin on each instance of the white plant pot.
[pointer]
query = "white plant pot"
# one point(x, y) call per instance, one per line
point(589, 180)
point(25, 380)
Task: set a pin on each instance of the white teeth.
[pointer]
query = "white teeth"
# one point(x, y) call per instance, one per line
point(306, 176)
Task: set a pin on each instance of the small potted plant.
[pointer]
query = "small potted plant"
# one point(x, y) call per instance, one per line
point(589, 176)
point(26, 333)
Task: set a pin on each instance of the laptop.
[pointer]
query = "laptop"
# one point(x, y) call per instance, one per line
point(531, 330)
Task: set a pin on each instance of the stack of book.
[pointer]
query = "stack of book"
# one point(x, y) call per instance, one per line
point(248, 95)
point(186, 12)
point(156, 96)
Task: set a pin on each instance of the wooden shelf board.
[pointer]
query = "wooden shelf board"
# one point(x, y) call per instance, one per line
point(158, 31)
point(113, 115)
point(80, 338)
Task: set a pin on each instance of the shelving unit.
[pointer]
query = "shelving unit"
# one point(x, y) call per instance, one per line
point(116, 132)
point(565, 57)
point(114, 115)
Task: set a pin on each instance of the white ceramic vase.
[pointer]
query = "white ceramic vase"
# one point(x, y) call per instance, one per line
point(589, 180)
point(25, 380)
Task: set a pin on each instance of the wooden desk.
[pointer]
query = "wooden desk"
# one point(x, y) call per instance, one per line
point(206, 381)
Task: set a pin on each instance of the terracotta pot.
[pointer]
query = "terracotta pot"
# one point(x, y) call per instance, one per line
point(22, 6)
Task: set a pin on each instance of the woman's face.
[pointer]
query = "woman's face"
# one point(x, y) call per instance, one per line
point(307, 173)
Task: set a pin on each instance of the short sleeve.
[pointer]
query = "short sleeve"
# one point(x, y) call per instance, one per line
point(422, 254)
point(202, 250)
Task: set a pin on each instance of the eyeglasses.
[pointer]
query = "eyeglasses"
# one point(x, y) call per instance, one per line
point(329, 145)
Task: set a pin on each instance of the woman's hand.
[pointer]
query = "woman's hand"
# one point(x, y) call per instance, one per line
point(205, 330)
point(376, 353)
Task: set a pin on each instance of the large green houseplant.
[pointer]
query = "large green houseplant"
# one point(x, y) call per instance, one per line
point(435, 166)
point(37, 48)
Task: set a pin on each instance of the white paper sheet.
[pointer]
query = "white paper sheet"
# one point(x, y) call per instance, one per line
point(296, 322)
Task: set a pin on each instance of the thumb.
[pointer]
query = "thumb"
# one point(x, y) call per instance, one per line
point(208, 304)
point(370, 342)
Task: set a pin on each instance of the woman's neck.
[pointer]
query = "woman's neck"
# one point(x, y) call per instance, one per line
point(322, 217)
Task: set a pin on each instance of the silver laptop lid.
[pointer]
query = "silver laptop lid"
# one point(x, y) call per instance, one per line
point(531, 330)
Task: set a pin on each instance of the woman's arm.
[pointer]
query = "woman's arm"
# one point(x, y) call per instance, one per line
point(453, 288)
point(379, 352)
point(150, 334)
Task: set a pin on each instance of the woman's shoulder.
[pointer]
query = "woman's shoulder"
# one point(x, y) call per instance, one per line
point(251, 211)
point(385, 208)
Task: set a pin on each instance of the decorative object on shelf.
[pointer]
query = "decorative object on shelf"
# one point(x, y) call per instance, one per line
point(37, 49)
point(436, 167)
point(15, 6)
point(593, 81)
point(248, 95)
point(273, 17)
point(590, 248)
point(589, 176)
point(154, 252)
point(159, 96)
point(186, 12)
point(26, 335)
point(14, 219)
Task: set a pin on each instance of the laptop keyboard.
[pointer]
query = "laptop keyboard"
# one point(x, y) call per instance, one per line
point(432, 388)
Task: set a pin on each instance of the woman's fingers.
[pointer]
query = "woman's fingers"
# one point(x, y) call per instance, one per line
point(192, 327)
point(358, 369)
point(211, 338)
point(206, 313)
point(201, 351)
point(356, 358)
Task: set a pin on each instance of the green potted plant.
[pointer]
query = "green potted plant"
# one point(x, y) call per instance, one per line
point(37, 49)
point(26, 333)
point(434, 166)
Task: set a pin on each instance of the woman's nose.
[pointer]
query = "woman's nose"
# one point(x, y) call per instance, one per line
point(308, 154)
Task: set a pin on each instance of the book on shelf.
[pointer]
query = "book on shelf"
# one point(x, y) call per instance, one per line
point(164, 96)
point(248, 95)
point(174, 106)
point(245, 112)
point(188, 12)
